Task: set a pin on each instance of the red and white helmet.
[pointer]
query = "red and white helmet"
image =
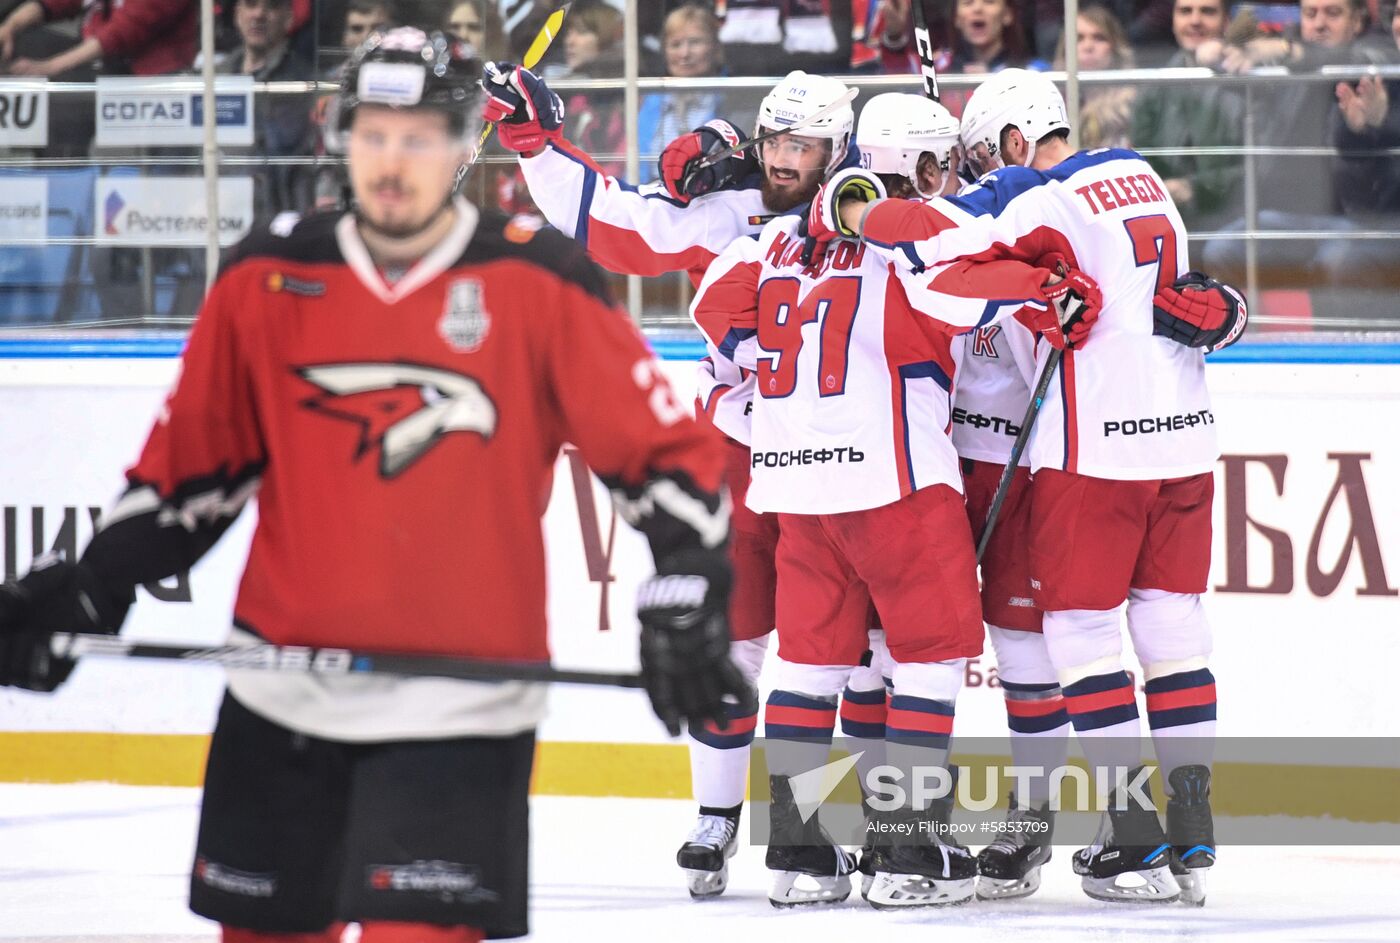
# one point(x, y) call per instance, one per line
point(799, 96)
point(1025, 100)
point(896, 127)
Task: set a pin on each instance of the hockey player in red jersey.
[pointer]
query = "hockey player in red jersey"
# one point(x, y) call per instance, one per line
point(1121, 455)
point(397, 403)
point(850, 448)
point(680, 224)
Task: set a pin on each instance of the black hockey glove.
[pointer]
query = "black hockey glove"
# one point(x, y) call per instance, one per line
point(680, 161)
point(1198, 311)
point(685, 640)
point(55, 596)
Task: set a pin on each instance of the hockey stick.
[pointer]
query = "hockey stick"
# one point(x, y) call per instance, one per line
point(712, 159)
point(923, 45)
point(538, 47)
point(1042, 385)
point(333, 661)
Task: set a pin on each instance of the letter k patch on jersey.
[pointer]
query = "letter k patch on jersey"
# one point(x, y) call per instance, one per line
point(402, 409)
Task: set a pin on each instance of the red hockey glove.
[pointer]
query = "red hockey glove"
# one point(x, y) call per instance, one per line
point(527, 112)
point(679, 162)
point(1074, 306)
point(823, 221)
point(1198, 311)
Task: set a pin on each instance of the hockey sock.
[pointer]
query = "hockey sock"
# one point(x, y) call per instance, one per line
point(919, 724)
point(1104, 713)
point(1038, 722)
point(331, 934)
point(719, 759)
point(1173, 641)
point(798, 728)
point(863, 706)
point(1036, 716)
point(1181, 715)
point(863, 726)
point(379, 931)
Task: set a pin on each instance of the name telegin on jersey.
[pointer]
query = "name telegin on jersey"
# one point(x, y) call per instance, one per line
point(402, 409)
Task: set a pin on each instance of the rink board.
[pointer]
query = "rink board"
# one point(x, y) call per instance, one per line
point(1305, 600)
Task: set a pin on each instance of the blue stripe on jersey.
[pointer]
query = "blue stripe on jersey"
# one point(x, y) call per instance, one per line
point(590, 183)
point(928, 369)
point(909, 371)
point(996, 190)
point(732, 339)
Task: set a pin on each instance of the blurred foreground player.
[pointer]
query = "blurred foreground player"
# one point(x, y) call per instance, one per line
point(396, 400)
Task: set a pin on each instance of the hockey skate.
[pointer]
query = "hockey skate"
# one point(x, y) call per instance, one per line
point(1130, 858)
point(1191, 830)
point(1010, 866)
point(917, 861)
point(705, 855)
point(808, 867)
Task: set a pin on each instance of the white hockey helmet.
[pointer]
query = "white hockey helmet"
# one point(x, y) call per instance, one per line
point(1025, 100)
point(800, 95)
point(896, 127)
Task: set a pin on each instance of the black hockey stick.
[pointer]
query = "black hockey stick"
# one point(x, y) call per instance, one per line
point(333, 661)
point(923, 45)
point(1042, 385)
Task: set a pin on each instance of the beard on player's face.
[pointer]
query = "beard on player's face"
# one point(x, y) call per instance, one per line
point(784, 189)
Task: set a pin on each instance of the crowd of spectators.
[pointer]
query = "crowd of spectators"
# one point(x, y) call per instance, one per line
point(1324, 168)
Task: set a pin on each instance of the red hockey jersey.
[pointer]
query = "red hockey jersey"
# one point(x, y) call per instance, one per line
point(401, 436)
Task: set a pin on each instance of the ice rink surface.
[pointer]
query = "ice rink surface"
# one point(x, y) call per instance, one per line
point(108, 863)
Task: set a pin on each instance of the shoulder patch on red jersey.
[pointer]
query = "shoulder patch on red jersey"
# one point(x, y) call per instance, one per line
point(547, 248)
point(521, 229)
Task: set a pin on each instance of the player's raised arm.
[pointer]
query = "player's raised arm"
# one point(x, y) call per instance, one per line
point(633, 230)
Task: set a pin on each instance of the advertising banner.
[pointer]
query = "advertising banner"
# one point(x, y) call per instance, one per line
point(1305, 582)
point(169, 112)
point(24, 207)
point(169, 211)
point(24, 112)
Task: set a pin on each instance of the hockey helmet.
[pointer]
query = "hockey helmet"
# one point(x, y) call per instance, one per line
point(796, 98)
point(896, 128)
point(408, 68)
point(1019, 98)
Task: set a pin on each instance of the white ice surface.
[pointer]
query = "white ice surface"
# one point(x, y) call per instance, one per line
point(108, 863)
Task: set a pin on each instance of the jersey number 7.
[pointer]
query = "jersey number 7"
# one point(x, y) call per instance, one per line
point(781, 318)
point(1154, 242)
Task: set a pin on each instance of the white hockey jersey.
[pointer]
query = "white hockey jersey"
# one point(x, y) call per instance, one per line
point(996, 373)
point(637, 230)
point(643, 231)
point(1129, 405)
point(853, 384)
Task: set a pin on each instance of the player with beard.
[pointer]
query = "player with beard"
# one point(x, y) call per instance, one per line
point(681, 224)
point(397, 403)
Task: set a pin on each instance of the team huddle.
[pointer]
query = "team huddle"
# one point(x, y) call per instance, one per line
point(882, 303)
point(871, 356)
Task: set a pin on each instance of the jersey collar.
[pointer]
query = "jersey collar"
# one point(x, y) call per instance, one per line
point(437, 261)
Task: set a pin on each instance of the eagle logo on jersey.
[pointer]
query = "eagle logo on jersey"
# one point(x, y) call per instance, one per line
point(402, 409)
point(465, 320)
